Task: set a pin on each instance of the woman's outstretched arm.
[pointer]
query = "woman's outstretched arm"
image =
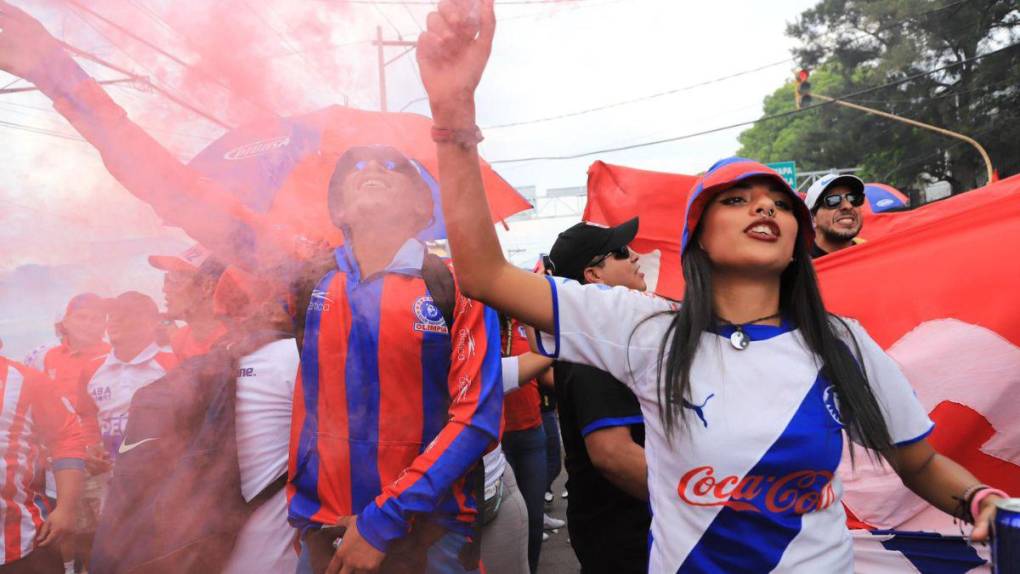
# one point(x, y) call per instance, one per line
point(452, 54)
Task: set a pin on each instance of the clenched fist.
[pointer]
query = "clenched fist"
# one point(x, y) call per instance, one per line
point(452, 53)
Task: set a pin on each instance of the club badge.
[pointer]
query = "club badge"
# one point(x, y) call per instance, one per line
point(430, 318)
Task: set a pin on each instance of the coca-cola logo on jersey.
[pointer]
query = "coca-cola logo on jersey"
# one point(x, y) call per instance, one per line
point(798, 492)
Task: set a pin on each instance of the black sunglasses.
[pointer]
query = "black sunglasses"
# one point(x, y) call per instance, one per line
point(621, 253)
point(833, 201)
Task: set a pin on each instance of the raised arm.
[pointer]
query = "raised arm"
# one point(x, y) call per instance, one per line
point(178, 194)
point(452, 55)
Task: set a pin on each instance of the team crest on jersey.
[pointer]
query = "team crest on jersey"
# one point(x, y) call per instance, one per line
point(832, 403)
point(430, 318)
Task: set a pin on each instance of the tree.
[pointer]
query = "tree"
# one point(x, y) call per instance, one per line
point(858, 44)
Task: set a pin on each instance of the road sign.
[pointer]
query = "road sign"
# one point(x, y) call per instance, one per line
point(786, 169)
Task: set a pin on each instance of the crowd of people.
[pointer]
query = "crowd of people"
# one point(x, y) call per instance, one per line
point(374, 407)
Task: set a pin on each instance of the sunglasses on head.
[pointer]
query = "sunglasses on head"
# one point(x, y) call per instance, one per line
point(855, 198)
point(621, 253)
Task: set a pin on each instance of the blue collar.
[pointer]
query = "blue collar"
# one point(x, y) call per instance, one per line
point(757, 332)
point(407, 260)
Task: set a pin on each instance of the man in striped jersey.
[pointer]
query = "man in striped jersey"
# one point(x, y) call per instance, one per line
point(396, 404)
point(30, 417)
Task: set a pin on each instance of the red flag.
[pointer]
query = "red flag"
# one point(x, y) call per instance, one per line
point(617, 193)
point(939, 291)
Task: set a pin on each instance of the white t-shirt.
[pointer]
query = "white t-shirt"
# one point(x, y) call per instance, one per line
point(495, 460)
point(747, 483)
point(114, 385)
point(265, 399)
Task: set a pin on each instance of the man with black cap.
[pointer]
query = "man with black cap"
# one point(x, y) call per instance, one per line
point(835, 202)
point(188, 286)
point(600, 418)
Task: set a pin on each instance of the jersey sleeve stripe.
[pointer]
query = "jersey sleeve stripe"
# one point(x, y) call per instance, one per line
point(917, 438)
point(611, 422)
point(555, 353)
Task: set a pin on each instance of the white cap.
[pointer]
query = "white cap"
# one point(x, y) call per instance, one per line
point(819, 187)
point(190, 260)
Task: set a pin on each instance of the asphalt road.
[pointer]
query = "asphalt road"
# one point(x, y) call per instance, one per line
point(557, 555)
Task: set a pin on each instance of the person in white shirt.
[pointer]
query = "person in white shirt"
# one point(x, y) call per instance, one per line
point(135, 361)
point(746, 389)
point(265, 400)
point(504, 514)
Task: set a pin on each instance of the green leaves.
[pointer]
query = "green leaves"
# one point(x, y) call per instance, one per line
point(857, 44)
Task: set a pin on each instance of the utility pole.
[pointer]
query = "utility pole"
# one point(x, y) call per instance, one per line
point(804, 95)
point(382, 44)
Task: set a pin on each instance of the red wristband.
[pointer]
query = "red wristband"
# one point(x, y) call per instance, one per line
point(463, 138)
point(975, 503)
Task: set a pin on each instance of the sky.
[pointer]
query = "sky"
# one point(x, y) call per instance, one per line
point(68, 226)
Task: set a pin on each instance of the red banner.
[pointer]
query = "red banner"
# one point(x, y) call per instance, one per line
point(617, 193)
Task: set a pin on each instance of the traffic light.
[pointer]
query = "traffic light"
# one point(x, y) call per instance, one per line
point(802, 95)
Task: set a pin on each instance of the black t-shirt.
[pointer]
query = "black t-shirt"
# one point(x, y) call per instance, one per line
point(817, 251)
point(589, 400)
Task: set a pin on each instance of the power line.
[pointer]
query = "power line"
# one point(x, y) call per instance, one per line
point(752, 122)
point(639, 99)
point(387, 18)
point(427, 3)
point(702, 84)
point(40, 131)
point(148, 81)
point(918, 159)
point(164, 53)
point(413, 17)
point(289, 44)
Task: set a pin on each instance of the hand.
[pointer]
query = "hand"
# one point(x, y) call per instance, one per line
point(452, 54)
point(24, 44)
point(97, 460)
point(354, 555)
point(59, 523)
point(983, 521)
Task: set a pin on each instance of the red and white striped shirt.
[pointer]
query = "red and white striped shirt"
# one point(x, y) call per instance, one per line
point(31, 417)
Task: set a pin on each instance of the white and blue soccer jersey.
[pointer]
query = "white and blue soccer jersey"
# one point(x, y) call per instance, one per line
point(747, 482)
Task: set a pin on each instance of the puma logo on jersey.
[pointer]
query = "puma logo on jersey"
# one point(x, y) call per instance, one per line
point(698, 409)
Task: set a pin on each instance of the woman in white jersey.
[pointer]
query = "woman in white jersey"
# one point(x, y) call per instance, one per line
point(746, 388)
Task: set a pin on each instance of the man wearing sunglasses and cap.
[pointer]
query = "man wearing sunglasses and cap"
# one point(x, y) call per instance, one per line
point(835, 202)
point(600, 418)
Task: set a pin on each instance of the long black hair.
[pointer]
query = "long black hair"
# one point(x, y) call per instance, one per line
point(800, 301)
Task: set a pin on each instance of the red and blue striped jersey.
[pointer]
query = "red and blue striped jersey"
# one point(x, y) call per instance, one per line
point(32, 416)
point(393, 407)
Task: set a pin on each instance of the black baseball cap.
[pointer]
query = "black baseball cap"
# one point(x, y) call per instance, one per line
point(578, 245)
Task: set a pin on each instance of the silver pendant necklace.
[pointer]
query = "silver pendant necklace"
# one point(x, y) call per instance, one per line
point(739, 338)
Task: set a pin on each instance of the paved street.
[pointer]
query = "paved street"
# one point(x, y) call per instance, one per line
point(557, 555)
